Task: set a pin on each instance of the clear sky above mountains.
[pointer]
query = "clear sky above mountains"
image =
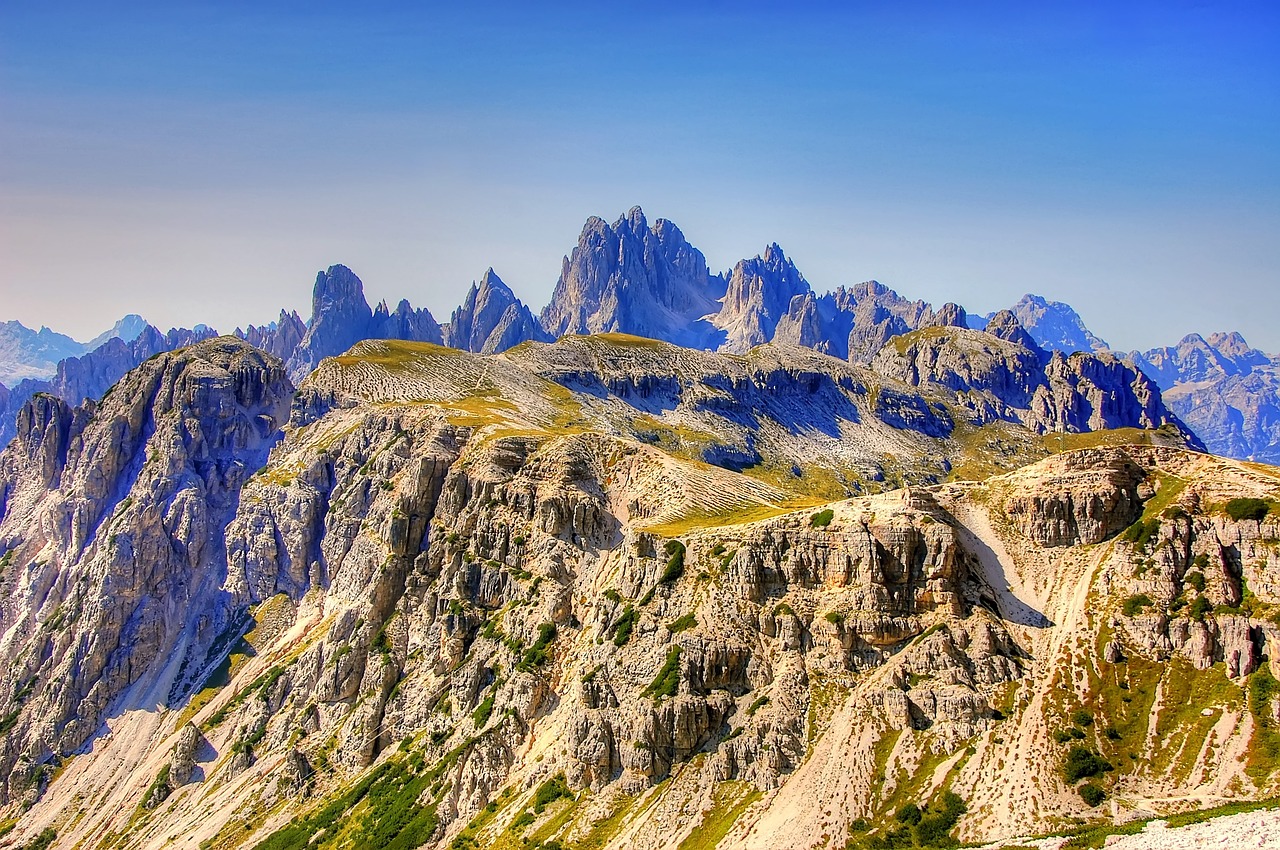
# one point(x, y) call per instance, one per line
point(199, 162)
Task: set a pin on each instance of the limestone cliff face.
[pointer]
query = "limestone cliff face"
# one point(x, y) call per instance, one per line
point(631, 278)
point(856, 323)
point(759, 294)
point(111, 520)
point(1002, 374)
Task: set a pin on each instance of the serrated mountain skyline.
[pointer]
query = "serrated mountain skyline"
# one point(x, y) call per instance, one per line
point(650, 281)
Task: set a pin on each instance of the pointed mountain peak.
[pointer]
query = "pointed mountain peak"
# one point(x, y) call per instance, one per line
point(1054, 325)
point(490, 280)
point(635, 218)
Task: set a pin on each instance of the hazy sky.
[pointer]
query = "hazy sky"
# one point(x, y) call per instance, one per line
point(199, 162)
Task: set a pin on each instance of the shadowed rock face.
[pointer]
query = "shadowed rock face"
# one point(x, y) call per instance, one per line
point(998, 376)
point(117, 511)
point(90, 375)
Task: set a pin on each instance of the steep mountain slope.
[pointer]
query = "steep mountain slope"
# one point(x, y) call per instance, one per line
point(473, 600)
point(1003, 375)
point(758, 295)
point(1226, 391)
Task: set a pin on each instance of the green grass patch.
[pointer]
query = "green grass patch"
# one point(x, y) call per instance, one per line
point(620, 631)
point(729, 801)
point(1252, 509)
point(1082, 763)
point(822, 518)
point(1264, 752)
point(538, 654)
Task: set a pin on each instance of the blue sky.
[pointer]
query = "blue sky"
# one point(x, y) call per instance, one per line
point(199, 162)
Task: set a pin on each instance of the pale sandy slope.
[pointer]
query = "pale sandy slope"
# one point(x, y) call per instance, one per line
point(1260, 829)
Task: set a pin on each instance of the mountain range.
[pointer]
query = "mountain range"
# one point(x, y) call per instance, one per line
point(787, 570)
point(648, 280)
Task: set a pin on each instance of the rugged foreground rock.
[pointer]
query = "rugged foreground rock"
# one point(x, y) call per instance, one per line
point(575, 595)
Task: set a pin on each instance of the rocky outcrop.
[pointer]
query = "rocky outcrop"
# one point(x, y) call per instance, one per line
point(91, 375)
point(856, 323)
point(280, 339)
point(998, 375)
point(491, 319)
point(340, 317)
point(758, 295)
point(1080, 498)
point(116, 510)
point(456, 587)
point(631, 278)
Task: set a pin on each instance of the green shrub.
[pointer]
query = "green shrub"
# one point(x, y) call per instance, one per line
point(822, 518)
point(1082, 763)
point(550, 791)
point(934, 828)
point(1142, 532)
point(620, 631)
point(1112, 733)
point(667, 682)
point(685, 621)
point(760, 703)
point(1240, 509)
point(42, 841)
point(675, 562)
point(1082, 718)
point(835, 618)
point(909, 814)
point(537, 655)
point(1134, 605)
point(1195, 580)
point(483, 710)
point(1262, 689)
point(1092, 794)
point(1199, 607)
